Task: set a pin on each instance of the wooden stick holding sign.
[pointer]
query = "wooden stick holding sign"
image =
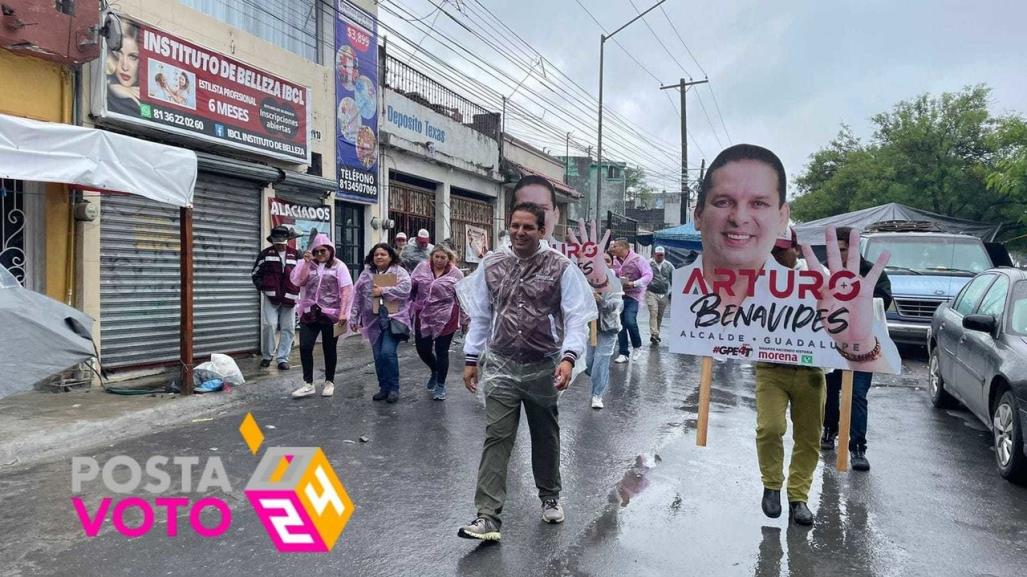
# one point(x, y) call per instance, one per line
point(594, 329)
point(705, 386)
point(845, 421)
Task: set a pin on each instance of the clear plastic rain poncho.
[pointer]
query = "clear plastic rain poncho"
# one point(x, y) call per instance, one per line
point(525, 313)
point(433, 299)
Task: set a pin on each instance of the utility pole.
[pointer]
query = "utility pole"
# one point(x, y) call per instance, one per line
point(599, 151)
point(683, 86)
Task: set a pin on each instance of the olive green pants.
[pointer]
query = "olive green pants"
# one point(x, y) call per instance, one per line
point(804, 389)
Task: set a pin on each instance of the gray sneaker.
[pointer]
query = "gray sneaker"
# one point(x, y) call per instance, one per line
point(552, 512)
point(482, 528)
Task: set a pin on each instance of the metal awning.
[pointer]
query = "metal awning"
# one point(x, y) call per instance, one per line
point(95, 159)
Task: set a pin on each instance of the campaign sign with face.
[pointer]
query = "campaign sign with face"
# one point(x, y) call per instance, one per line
point(587, 250)
point(737, 301)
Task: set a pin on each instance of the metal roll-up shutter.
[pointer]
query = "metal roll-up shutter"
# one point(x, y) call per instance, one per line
point(226, 240)
point(140, 288)
point(140, 283)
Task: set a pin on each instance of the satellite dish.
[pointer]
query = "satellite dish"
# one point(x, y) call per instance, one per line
point(111, 30)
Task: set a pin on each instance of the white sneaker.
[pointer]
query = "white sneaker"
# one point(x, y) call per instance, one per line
point(597, 402)
point(307, 390)
point(636, 354)
point(621, 359)
point(328, 389)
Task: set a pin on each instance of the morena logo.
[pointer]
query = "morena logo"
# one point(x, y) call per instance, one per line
point(294, 490)
point(739, 351)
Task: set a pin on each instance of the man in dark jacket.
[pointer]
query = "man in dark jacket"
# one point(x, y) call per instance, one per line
point(860, 380)
point(278, 296)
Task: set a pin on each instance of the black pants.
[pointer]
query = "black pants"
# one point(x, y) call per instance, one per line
point(435, 354)
point(308, 336)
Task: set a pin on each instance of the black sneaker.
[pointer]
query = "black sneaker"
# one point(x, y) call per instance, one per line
point(265, 363)
point(283, 366)
point(827, 440)
point(392, 397)
point(381, 395)
point(859, 459)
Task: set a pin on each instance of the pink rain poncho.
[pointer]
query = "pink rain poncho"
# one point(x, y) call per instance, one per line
point(328, 285)
point(435, 305)
point(363, 314)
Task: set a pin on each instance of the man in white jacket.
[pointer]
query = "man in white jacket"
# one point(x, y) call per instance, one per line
point(529, 308)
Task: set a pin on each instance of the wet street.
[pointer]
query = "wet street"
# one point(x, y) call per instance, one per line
point(640, 497)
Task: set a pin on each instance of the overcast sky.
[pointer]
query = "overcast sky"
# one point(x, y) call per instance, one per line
point(785, 73)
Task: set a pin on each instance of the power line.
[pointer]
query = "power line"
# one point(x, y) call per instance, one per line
point(573, 84)
point(660, 42)
point(603, 28)
point(449, 43)
point(701, 69)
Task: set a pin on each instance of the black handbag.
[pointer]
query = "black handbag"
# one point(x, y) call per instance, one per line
point(399, 330)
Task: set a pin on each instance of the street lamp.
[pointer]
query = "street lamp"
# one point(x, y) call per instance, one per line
point(602, 44)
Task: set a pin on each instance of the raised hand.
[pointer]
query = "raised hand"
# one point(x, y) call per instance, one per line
point(858, 337)
point(590, 253)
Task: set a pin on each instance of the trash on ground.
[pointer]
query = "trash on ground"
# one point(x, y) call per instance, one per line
point(364, 439)
point(203, 420)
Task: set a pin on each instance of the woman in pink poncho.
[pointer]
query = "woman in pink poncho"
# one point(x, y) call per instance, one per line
point(326, 293)
point(436, 314)
point(387, 326)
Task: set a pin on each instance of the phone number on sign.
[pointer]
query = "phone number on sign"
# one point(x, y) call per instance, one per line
point(178, 119)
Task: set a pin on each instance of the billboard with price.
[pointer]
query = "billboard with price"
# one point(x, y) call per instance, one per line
point(356, 104)
point(162, 82)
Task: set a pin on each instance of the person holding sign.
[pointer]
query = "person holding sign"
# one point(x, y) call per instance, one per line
point(610, 301)
point(799, 391)
point(529, 309)
point(326, 292)
point(381, 312)
point(436, 314)
point(734, 301)
point(635, 274)
point(657, 294)
point(861, 380)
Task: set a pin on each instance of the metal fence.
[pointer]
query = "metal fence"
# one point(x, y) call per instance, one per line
point(621, 226)
point(424, 90)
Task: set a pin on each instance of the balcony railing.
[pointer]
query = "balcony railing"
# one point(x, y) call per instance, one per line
point(428, 92)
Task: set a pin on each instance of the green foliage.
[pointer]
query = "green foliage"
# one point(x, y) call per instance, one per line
point(636, 186)
point(945, 154)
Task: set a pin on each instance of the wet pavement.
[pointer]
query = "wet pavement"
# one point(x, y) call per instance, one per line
point(640, 497)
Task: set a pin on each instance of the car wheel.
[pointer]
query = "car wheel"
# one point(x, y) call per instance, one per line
point(1005, 425)
point(939, 397)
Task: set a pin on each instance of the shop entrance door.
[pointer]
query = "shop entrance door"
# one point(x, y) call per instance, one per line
point(349, 236)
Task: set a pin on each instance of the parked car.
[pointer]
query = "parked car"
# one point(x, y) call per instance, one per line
point(978, 356)
point(926, 269)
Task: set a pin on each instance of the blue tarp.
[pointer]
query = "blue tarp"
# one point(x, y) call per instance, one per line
point(682, 237)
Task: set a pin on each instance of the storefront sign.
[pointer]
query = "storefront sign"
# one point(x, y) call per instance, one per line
point(163, 82)
point(302, 218)
point(356, 103)
point(421, 130)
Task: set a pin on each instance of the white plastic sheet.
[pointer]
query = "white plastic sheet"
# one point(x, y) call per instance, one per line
point(95, 159)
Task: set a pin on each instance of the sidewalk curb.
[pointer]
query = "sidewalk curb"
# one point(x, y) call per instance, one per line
point(93, 435)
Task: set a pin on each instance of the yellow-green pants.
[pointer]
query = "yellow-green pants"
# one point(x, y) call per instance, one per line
point(804, 388)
